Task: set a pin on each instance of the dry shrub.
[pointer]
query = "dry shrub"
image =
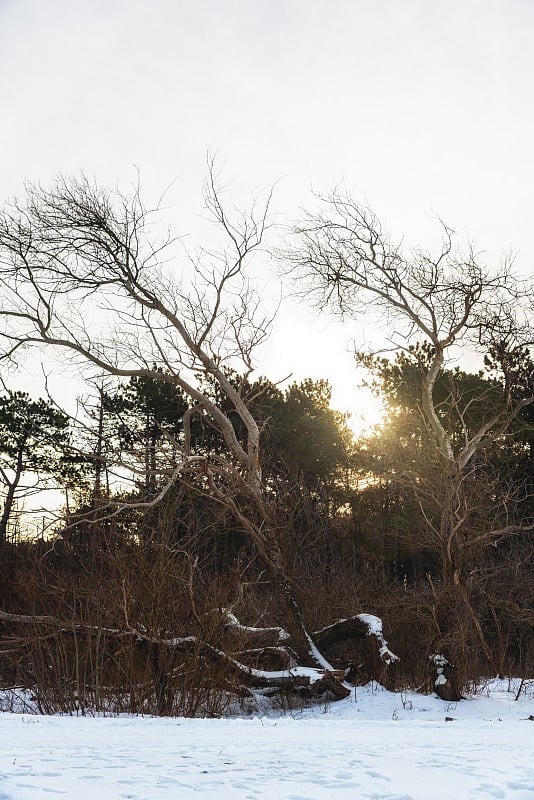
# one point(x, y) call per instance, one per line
point(94, 662)
point(163, 588)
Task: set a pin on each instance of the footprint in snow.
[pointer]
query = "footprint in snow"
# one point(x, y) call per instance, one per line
point(373, 774)
point(522, 786)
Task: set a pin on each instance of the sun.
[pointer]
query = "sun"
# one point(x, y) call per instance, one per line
point(366, 409)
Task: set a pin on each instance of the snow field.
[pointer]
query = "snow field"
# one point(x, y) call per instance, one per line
point(383, 747)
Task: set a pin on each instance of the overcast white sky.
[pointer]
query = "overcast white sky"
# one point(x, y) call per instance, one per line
point(421, 106)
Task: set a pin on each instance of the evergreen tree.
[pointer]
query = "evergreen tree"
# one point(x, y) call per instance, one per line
point(143, 409)
point(34, 440)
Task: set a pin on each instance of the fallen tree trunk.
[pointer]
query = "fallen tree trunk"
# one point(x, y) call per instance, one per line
point(262, 643)
point(305, 680)
point(359, 626)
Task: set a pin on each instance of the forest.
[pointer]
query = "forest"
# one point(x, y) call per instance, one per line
point(220, 536)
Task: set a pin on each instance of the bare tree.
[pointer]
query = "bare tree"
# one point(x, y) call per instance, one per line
point(450, 300)
point(80, 275)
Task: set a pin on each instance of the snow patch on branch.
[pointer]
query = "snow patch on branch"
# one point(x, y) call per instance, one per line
point(374, 628)
point(233, 621)
point(440, 662)
point(318, 656)
point(309, 675)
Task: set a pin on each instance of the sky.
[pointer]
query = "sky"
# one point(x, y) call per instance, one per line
point(422, 108)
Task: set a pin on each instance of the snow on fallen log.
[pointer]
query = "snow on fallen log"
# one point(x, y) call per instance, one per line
point(358, 626)
point(27, 619)
point(61, 625)
point(267, 637)
point(444, 683)
point(316, 681)
point(374, 626)
point(272, 637)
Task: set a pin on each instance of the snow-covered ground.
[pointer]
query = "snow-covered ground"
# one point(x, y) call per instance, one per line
point(379, 745)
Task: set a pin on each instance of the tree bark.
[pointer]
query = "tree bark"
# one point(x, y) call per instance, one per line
point(10, 497)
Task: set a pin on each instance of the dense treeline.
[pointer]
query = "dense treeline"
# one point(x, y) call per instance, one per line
point(354, 521)
point(221, 536)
